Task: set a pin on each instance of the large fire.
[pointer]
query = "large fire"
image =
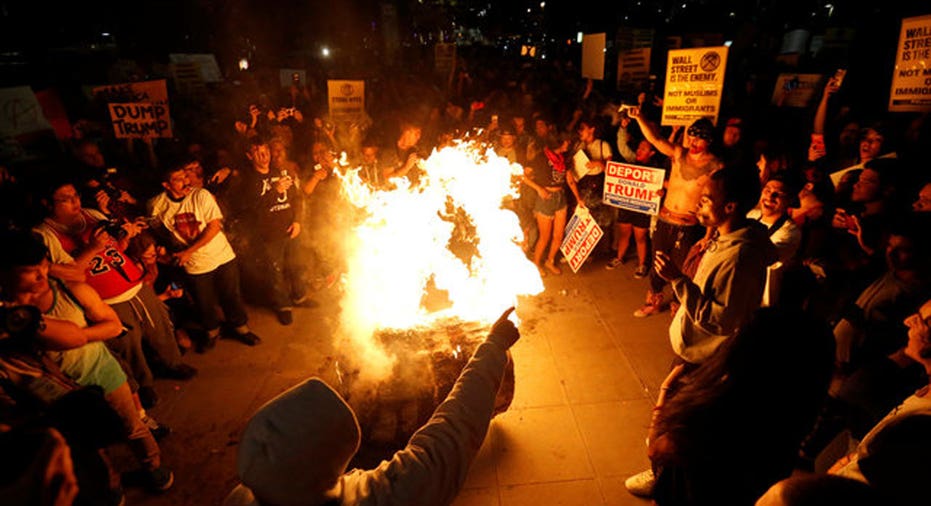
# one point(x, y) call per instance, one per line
point(450, 233)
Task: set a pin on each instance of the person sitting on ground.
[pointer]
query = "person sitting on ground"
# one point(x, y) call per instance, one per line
point(85, 246)
point(76, 325)
point(295, 449)
point(724, 432)
point(896, 449)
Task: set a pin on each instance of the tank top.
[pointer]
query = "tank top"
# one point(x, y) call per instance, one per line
point(110, 273)
point(64, 307)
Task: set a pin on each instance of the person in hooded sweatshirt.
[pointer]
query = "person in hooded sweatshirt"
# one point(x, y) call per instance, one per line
point(728, 284)
point(295, 449)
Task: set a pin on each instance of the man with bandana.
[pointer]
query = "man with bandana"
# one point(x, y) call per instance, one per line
point(677, 227)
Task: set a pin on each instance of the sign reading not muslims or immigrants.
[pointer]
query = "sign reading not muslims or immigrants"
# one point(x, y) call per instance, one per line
point(694, 84)
point(911, 78)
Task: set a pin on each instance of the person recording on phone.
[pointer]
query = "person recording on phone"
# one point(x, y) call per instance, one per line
point(401, 159)
point(270, 208)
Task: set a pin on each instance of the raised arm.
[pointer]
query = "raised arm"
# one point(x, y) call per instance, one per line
point(651, 133)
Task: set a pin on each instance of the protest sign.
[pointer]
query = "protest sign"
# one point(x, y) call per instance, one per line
point(154, 92)
point(633, 187)
point(911, 78)
point(188, 79)
point(206, 64)
point(633, 68)
point(55, 113)
point(140, 120)
point(346, 100)
point(582, 235)
point(593, 56)
point(694, 84)
point(796, 90)
point(287, 77)
point(20, 112)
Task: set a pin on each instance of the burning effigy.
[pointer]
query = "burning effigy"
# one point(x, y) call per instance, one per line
point(429, 266)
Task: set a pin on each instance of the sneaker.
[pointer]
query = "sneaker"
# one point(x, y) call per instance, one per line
point(614, 263)
point(284, 316)
point(247, 338)
point(159, 480)
point(147, 397)
point(158, 430)
point(642, 271)
point(178, 372)
point(641, 484)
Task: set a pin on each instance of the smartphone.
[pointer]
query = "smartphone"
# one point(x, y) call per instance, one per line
point(817, 142)
point(174, 286)
point(839, 76)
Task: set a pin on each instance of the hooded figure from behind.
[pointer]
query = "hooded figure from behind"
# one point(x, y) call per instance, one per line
point(295, 449)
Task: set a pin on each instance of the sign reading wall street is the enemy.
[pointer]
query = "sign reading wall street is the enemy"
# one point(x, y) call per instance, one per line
point(140, 120)
point(694, 82)
point(633, 187)
point(582, 235)
point(911, 78)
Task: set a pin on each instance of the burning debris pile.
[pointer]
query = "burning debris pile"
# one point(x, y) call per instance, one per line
point(429, 267)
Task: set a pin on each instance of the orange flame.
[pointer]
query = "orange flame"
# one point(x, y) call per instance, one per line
point(402, 245)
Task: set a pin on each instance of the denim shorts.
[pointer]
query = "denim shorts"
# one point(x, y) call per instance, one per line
point(549, 206)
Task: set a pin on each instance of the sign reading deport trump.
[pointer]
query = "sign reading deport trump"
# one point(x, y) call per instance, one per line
point(140, 120)
point(633, 187)
point(911, 78)
point(582, 235)
point(694, 84)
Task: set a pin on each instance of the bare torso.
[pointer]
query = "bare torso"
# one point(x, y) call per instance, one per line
point(686, 178)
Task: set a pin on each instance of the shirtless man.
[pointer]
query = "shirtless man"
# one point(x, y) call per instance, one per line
point(677, 228)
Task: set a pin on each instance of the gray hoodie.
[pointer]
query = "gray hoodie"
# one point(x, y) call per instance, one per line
point(295, 449)
point(727, 289)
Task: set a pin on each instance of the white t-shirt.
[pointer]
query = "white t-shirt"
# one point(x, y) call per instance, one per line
point(186, 220)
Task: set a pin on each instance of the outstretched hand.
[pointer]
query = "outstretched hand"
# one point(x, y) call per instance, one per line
point(504, 332)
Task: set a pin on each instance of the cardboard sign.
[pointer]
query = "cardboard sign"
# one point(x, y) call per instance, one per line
point(582, 235)
point(143, 91)
point(206, 63)
point(633, 68)
point(593, 56)
point(20, 112)
point(633, 187)
point(346, 100)
point(286, 77)
point(911, 78)
point(694, 84)
point(140, 120)
point(796, 90)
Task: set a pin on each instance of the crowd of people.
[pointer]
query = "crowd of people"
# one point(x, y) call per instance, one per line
point(110, 272)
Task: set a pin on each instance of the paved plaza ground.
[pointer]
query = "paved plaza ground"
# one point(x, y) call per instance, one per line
point(586, 371)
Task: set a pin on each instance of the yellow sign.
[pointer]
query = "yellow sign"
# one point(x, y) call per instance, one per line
point(694, 84)
point(911, 78)
point(346, 100)
point(143, 91)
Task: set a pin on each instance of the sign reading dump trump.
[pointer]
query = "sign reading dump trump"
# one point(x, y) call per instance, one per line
point(694, 84)
point(633, 187)
point(582, 235)
point(140, 120)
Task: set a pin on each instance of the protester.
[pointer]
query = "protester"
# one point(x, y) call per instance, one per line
point(296, 448)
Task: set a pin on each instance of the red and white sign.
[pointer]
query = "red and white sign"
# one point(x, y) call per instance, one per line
point(633, 187)
point(582, 235)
